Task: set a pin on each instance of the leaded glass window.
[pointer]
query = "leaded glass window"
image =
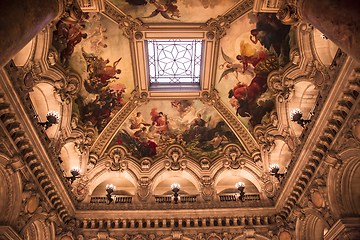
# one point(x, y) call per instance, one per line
point(174, 62)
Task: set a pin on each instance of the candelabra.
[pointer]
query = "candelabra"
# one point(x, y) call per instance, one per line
point(110, 189)
point(296, 116)
point(75, 172)
point(175, 187)
point(241, 187)
point(52, 117)
point(274, 170)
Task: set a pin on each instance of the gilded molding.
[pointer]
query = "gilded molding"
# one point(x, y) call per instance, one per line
point(239, 129)
point(100, 144)
point(128, 24)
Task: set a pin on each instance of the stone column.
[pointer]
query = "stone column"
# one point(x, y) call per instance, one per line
point(338, 20)
point(20, 21)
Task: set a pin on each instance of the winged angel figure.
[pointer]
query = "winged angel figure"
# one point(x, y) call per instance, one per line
point(101, 74)
point(234, 66)
point(167, 10)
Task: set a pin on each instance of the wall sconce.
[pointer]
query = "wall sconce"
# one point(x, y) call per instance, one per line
point(52, 117)
point(296, 116)
point(75, 172)
point(323, 36)
point(274, 169)
point(110, 189)
point(175, 187)
point(241, 187)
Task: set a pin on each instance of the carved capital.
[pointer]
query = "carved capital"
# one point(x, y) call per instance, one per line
point(143, 189)
point(288, 14)
point(207, 189)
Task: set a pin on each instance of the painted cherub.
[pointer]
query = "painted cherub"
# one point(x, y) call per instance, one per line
point(233, 66)
point(168, 10)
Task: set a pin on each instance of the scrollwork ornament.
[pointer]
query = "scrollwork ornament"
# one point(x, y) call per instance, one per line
point(52, 57)
point(233, 154)
point(175, 162)
point(80, 191)
point(66, 89)
point(117, 160)
point(288, 14)
point(265, 139)
point(205, 164)
point(144, 188)
point(129, 25)
point(219, 25)
point(282, 88)
point(210, 98)
point(207, 189)
point(82, 143)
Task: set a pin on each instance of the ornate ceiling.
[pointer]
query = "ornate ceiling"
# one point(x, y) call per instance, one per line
point(92, 71)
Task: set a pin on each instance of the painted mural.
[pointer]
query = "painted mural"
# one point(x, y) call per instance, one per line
point(156, 11)
point(96, 50)
point(246, 59)
point(154, 126)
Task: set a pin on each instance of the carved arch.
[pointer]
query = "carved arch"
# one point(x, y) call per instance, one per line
point(342, 184)
point(10, 192)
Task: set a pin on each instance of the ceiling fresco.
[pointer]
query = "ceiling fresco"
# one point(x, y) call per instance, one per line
point(156, 125)
point(161, 11)
point(97, 51)
point(254, 46)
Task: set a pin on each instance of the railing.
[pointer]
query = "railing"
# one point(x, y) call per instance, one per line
point(188, 198)
point(234, 197)
point(183, 199)
point(118, 199)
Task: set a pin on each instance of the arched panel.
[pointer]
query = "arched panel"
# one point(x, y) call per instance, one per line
point(24, 55)
point(110, 178)
point(280, 155)
point(10, 194)
point(164, 187)
point(354, 189)
point(325, 48)
point(164, 176)
point(315, 227)
point(44, 100)
point(304, 99)
point(123, 187)
point(229, 178)
point(69, 157)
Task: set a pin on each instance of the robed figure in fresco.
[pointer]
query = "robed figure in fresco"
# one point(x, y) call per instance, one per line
point(249, 99)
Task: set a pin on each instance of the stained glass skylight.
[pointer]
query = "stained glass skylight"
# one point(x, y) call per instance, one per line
point(174, 62)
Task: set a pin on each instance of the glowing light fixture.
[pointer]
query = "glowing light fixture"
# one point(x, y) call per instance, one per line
point(296, 116)
point(175, 187)
point(52, 117)
point(75, 172)
point(241, 187)
point(110, 189)
point(274, 170)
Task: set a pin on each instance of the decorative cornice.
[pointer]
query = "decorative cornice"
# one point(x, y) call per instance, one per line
point(33, 147)
point(241, 8)
point(309, 158)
